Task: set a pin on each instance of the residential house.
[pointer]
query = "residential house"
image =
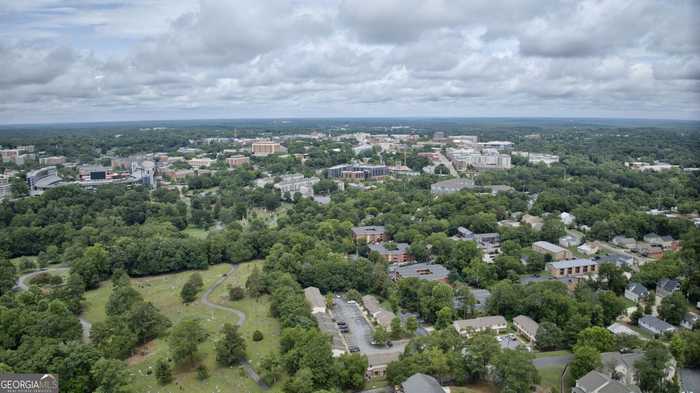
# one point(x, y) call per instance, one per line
point(619, 329)
point(534, 222)
point(567, 218)
point(526, 327)
point(315, 299)
point(588, 249)
point(621, 367)
point(422, 271)
point(557, 253)
point(666, 243)
point(666, 287)
point(636, 292)
point(376, 312)
point(690, 320)
point(597, 382)
point(379, 361)
point(572, 267)
point(369, 234)
point(398, 255)
point(655, 325)
point(421, 383)
point(625, 242)
point(619, 260)
point(466, 327)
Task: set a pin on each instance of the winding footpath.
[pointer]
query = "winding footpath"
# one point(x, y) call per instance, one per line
point(249, 370)
point(22, 286)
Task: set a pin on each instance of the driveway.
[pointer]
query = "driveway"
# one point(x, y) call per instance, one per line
point(553, 361)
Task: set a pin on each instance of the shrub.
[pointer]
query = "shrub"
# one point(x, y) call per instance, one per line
point(163, 373)
point(202, 372)
point(236, 293)
point(257, 335)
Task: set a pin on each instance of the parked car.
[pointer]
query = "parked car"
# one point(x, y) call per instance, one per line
point(354, 348)
point(344, 330)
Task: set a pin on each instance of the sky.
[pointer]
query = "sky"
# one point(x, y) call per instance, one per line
point(111, 60)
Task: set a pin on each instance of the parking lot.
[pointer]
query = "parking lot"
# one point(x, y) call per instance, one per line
point(360, 333)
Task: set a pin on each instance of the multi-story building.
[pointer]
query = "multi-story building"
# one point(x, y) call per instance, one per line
point(41, 179)
point(316, 301)
point(369, 234)
point(557, 253)
point(451, 186)
point(264, 148)
point(399, 255)
point(19, 155)
point(466, 327)
point(297, 183)
point(235, 161)
point(4, 187)
point(572, 267)
point(200, 162)
point(463, 159)
point(526, 327)
point(421, 271)
point(53, 160)
point(358, 171)
point(94, 172)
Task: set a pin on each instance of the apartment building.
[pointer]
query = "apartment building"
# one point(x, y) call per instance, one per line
point(264, 148)
point(369, 234)
point(572, 267)
point(557, 253)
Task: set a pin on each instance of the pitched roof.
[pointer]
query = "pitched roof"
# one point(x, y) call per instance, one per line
point(479, 323)
point(637, 288)
point(572, 263)
point(549, 247)
point(656, 323)
point(421, 383)
point(314, 297)
point(424, 271)
point(526, 323)
point(368, 230)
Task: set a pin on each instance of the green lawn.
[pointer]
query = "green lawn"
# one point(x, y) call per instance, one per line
point(195, 232)
point(163, 291)
point(481, 388)
point(551, 376)
point(551, 354)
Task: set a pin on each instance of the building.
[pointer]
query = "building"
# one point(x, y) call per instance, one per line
point(569, 240)
point(466, 327)
point(636, 292)
point(422, 271)
point(526, 327)
point(541, 158)
point(588, 249)
point(657, 166)
point(235, 161)
point(451, 186)
point(328, 326)
point(655, 325)
point(481, 296)
point(398, 255)
point(666, 243)
point(297, 183)
point(378, 362)
point(690, 320)
point(5, 188)
point(534, 222)
point(572, 267)
point(621, 367)
point(358, 171)
point(42, 179)
point(625, 242)
point(619, 329)
point(619, 260)
point(666, 287)
point(557, 253)
point(487, 159)
point(378, 313)
point(421, 383)
point(497, 145)
point(369, 234)
point(264, 148)
point(53, 160)
point(315, 299)
point(201, 162)
point(19, 155)
point(597, 382)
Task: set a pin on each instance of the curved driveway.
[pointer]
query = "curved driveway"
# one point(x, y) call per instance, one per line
point(22, 286)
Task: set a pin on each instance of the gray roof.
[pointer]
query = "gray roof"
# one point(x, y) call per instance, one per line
point(617, 259)
point(611, 360)
point(368, 230)
point(638, 289)
point(371, 304)
point(668, 284)
point(453, 184)
point(423, 271)
point(573, 263)
point(597, 382)
point(421, 383)
point(549, 247)
point(401, 248)
point(479, 323)
point(656, 323)
point(527, 324)
point(314, 297)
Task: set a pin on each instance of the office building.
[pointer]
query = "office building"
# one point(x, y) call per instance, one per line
point(264, 148)
point(358, 171)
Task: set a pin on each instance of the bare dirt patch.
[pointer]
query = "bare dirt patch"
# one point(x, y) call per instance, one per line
point(141, 353)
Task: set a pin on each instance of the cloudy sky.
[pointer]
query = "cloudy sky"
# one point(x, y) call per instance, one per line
point(92, 60)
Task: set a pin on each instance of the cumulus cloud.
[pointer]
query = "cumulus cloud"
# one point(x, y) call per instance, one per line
point(101, 60)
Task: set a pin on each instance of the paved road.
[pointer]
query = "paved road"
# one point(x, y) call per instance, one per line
point(553, 361)
point(444, 161)
point(23, 286)
point(690, 380)
point(247, 367)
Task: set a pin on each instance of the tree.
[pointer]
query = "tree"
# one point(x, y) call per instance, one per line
point(612, 306)
point(515, 372)
point(380, 335)
point(444, 318)
point(163, 372)
point(552, 230)
point(586, 358)
point(612, 278)
point(351, 370)
point(651, 369)
point(111, 376)
point(122, 298)
point(549, 336)
point(411, 325)
point(184, 339)
point(597, 337)
point(272, 367)
point(254, 284)
point(8, 275)
point(202, 372)
point(147, 322)
point(257, 335)
point(673, 308)
point(396, 331)
point(482, 348)
point(301, 382)
point(19, 187)
point(230, 349)
point(236, 293)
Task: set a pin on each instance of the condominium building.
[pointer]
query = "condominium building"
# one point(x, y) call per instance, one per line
point(235, 161)
point(358, 171)
point(526, 327)
point(297, 183)
point(463, 159)
point(557, 253)
point(466, 327)
point(369, 234)
point(572, 267)
point(264, 148)
point(53, 160)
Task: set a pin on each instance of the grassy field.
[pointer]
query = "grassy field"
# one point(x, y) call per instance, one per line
point(164, 291)
point(551, 354)
point(551, 376)
point(481, 388)
point(195, 232)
